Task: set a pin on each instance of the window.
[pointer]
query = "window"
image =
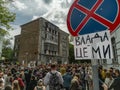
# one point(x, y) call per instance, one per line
point(47, 29)
point(45, 51)
point(50, 30)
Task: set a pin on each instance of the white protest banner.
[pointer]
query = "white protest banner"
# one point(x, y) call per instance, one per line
point(93, 46)
point(83, 52)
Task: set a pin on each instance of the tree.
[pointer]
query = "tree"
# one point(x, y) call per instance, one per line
point(7, 43)
point(5, 17)
point(71, 53)
point(72, 57)
point(7, 51)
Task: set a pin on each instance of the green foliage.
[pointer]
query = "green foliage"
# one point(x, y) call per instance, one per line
point(5, 17)
point(6, 43)
point(7, 51)
point(3, 32)
point(71, 54)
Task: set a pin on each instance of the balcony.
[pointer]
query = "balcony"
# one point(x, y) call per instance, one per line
point(51, 42)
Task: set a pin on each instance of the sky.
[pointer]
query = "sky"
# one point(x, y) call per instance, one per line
point(54, 11)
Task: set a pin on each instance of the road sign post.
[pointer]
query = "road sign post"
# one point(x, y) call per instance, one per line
point(85, 17)
point(95, 74)
point(93, 46)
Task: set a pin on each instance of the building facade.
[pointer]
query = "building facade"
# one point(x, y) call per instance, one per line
point(115, 39)
point(16, 47)
point(42, 42)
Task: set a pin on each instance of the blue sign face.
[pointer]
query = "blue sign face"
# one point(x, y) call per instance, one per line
point(89, 16)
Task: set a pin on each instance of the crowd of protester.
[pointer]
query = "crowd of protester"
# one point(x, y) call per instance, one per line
point(71, 77)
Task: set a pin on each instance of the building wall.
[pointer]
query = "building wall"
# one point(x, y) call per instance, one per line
point(29, 42)
point(64, 44)
point(115, 40)
point(16, 47)
point(116, 50)
point(42, 41)
point(51, 43)
point(118, 44)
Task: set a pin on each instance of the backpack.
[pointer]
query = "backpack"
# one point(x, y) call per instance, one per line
point(54, 82)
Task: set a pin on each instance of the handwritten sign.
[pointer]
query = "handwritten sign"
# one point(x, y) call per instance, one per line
point(93, 46)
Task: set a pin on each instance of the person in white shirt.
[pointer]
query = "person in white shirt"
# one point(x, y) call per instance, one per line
point(47, 80)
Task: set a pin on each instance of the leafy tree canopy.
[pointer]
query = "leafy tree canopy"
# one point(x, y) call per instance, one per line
point(7, 51)
point(6, 16)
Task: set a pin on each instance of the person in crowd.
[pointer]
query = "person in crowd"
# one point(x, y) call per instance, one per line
point(8, 87)
point(13, 70)
point(53, 79)
point(40, 85)
point(75, 83)
point(22, 75)
point(1, 85)
point(116, 83)
point(15, 85)
point(5, 77)
point(1, 72)
point(101, 80)
point(32, 83)
point(9, 79)
point(28, 74)
point(112, 73)
point(20, 82)
point(2, 78)
point(109, 79)
point(90, 80)
point(104, 71)
point(62, 70)
point(67, 77)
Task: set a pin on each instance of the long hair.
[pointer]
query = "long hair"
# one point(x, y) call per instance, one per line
point(16, 85)
point(40, 82)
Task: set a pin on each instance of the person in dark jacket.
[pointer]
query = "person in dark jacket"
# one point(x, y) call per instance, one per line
point(67, 77)
point(32, 83)
point(101, 80)
point(28, 74)
point(116, 84)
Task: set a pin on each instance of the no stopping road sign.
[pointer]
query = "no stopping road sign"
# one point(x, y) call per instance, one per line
point(89, 16)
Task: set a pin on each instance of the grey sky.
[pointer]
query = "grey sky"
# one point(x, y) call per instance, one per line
point(53, 10)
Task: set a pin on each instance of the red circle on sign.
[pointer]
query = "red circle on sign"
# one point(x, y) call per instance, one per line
point(111, 26)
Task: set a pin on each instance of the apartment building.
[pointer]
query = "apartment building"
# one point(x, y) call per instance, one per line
point(42, 42)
